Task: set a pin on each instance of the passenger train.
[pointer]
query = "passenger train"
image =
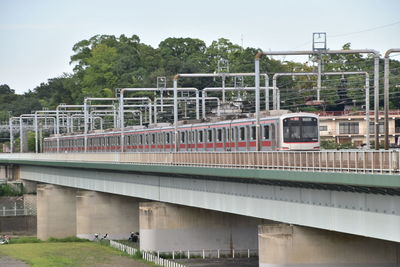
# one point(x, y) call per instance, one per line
point(293, 131)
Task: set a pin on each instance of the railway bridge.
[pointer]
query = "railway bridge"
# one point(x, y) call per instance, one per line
point(328, 208)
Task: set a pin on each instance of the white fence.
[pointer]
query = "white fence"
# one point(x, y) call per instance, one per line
point(356, 161)
point(211, 253)
point(16, 212)
point(145, 255)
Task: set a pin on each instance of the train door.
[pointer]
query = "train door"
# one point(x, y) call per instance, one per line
point(252, 138)
point(200, 140)
point(234, 143)
point(265, 138)
point(193, 141)
point(219, 139)
point(209, 142)
point(167, 141)
point(146, 142)
point(242, 140)
point(141, 142)
point(182, 141)
point(118, 143)
point(152, 140)
point(274, 137)
point(135, 142)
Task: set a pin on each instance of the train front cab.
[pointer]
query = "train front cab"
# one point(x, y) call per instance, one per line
point(299, 132)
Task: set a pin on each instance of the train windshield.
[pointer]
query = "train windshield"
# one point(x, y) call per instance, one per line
point(300, 129)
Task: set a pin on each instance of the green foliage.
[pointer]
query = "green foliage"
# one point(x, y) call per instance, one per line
point(31, 141)
point(68, 239)
point(9, 190)
point(330, 144)
point(103, 63)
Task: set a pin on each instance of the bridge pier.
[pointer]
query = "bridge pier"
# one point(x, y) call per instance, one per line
point(103, 213)
point(289, 245)
point(56, 211)
point(168, 227)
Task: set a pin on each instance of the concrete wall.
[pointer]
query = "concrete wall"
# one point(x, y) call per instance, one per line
point(30, 202)
point(56, 211)
point(29, 186)
point(168, 227)
point(289, 245)
point(3, 172)
point(103, 213)
point(21, 225)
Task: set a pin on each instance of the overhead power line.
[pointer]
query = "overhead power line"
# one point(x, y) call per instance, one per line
point(366, 30)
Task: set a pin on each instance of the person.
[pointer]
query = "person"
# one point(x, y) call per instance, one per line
point(131, 237)
point(136, 237)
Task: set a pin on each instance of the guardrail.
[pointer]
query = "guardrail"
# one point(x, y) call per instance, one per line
point(355, 161)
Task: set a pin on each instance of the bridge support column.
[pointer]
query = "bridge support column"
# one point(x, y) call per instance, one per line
point(56, 211)
point(168, 227)
point(103, 213)
point(288, 245)
point(3, 172)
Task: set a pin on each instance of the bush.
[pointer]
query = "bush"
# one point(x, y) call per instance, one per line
point(68, 239)
point(10, 191)
point(26, 239)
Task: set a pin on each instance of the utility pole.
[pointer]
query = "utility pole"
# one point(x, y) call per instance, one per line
point(319, 45)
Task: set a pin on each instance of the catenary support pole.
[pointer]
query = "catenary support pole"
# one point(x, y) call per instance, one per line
point(386, 92)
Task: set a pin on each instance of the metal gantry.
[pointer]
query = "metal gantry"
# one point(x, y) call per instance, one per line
point(375, 54)
point(276, 91)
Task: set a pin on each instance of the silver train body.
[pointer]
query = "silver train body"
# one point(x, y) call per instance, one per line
point(293, 131)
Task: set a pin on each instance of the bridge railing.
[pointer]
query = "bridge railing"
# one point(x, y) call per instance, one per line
point(357, 161)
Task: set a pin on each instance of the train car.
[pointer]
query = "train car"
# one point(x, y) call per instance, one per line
point(293, 131)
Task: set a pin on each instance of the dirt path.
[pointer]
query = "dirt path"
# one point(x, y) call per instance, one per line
point(10, 262)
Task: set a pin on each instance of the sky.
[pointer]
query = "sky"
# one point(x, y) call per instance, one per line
point(37, 36)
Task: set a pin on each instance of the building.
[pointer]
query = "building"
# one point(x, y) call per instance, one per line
point(351, 127)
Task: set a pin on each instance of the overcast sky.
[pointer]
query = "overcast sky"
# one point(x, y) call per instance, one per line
point(36, 36)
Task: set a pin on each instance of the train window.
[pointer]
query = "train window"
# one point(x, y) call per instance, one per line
point(153, 138)
point(141, 139)
point(266, 132)
point(242, 134)
point(209, 136)
point(168, 138)
point(219, 135)
point(253, 132)
point(200, 132)
point(182, 137)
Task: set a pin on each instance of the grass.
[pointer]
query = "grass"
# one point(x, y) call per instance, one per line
point(25, 239)
point(65, 254)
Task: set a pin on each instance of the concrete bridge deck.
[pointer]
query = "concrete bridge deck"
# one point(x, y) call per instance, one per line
point(363, 201)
